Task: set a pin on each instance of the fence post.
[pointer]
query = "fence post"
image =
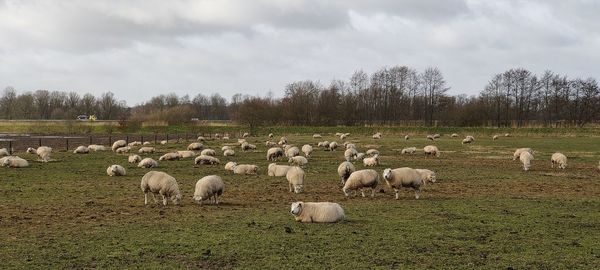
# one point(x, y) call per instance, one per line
point(154, 138)
point(127, 138)
point(40, 142)
point(167, 137)
point(10, 148)
point(67, 144)
point(142, 139)
point(90, 139)
point(109, 140)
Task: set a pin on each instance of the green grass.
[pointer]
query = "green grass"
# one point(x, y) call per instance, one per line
point(484, 211)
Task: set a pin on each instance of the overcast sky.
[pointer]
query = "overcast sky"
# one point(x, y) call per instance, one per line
point(139, 49)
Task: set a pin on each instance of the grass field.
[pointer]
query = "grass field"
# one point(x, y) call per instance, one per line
point(483, 212)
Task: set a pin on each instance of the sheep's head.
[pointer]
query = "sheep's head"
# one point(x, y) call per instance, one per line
point(296, 208)
point(298, 188)
point(290, 160)
point(387, 174)
point(31, 150)
point(177, 199)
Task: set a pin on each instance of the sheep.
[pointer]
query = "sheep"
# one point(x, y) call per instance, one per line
point(372, 152)
point(228, 153)
point(246, 135)
point(287, 147)
point(207, 160)
point(229, 165)
point(163, 142)
point(146, 150)
point(409, 150)
point(146, 143)
point(521, 150)
point(43, 152)
point(344, 136)
point(307, 150)
point(436, 136)
point(209, 187)
point(3, 152)
point(431, 150)
point(246, 146)
point(298, 161)
point(118, 144)
point(559, 159)
point(371, 161)
point(270, 144)
point(526, 159)
point(466, 141)
point(332, 146)
point(430, 137)
point(350, 145)
point(377, 135)
point(14, 162)
point(208, 152)
point(134, 159)
point(148, 163)
point(407, 177)
point(317, 136)
point(360, 156)
point(277, 170)
point(156, 182)
point(115, 170)
point(283, 140)
point(201, 139)
point(324, 144)
point(226, 147)
point(123, 150)
point(96, 148)
point(454, 135)
point(495, 137)
point(506, 134)
point(3, 159)
point(170, 156)
point(186, 154)
point(360, 180)
point(292, 152)
point(81, 150)
point(470, 138)
point(134, 143)
point(337, 134)
point(295, 177)
point(217, 136)
point(318, 212)
point(350, 153)
point(245, 169)
point(344, 170)
point(195, 146)
point(406, 137)
point(274, 153)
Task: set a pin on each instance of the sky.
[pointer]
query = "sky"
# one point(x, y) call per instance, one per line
point(142, 48)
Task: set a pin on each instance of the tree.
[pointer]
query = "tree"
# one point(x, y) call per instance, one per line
point(433, 87)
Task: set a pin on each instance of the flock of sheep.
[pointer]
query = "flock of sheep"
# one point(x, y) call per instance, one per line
point(211, 187)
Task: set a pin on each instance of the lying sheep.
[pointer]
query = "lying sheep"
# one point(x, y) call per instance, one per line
point(292, 152)
point(506, 134)
point(406, 137)
point(3, 152)
point(278, 170)
point(163, 142)
point(201, 139)
point(81, 150)
point(298, 161)
point(3, 159)
point(430, 137)
point(123, 150)
point(96, 147)
point(466, 141)
point(247, 146)
point(43, 152)
point(360, 180)
point(407, 177)
point(134, 159)
point(372, 152)
point(229, 165)
point(454, 135)
point(148, 163)
point(495, 137)
point(246, 135)
point(521, 150)
point(209, 187)
point(436, 136)
point(226, 147)
point(526, 159)
point(270, 144)
point(344, 170)
point(295, 177)
point(360, 156)
point(350, 145)
point(146, 150)
point(409, 150)
point(14, 162)
point(371, 161)
point(431, 150)
point(170, 156)
point(318, 212)
point(377, 135)
point(118, 144)
point(155, 182)
point(115, 170)
point(274, 153)
point(560, 160)
point(316, 136)
point(350, 153)
point(307, 150)
point(245, 169)
point(228, 153)
point(195, 146)
point(186, 154)
point(134, 144)
point(208, 152)
point(206, 160)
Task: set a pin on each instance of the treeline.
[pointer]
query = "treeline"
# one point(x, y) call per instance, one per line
point(395, 95)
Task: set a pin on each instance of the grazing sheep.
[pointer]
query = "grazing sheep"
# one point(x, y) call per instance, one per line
point(307, 150)
point(146, 150)
point(155, 182)
point(3, 152)
point(526, 159)
point(270, 144)
point(344, 170)
point(360, 180)
point(209, 187)
point(14, 162)
point(274, 153)
point(454, 135)
point(350, 145)
point(134, 143)
point(560, 160)
point(407, 177)
point(350, 153)
point(332, 146)
point(195, 146)
point(431, 150)
point(81, 150)
point(506, 134)
point(96, 148)
point(295, 177)
point(324, 144)
point(186, 154)
point(229, 165)
point(521, 150)
point(292, 152)
point(372, 152)
point(371, 161)
point(134, 159)
point(344, 136)
point(208, 152)
point(436, 136)
point(377, 135)
point(123, 150)
point(298, 161)
point(430, 137)
point(118, 144)
point(246, 135)
point(318, 212)
point(406, 137)
point(148, 163)
point(360, 156)
point(495, 137)
point(206, 160)
point(287, 147)
point(242, 141)
point(226, 147)
point(409, 150)
point(245, 169)
point(283, 140)
point(43, 152)
point(115, 170)
point(228, 153)
point(317, 136)
point(277, 170)
point(170, 156)
point(201, 139)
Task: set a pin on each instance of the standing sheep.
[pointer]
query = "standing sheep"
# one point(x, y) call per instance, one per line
point(332, 146)
point(295, 177)
point(350, 153)
point(201, 139)
point(274, 153)
point(506, 134)
point(406, 137)
point(298, 161)
point(431, 150)
point(270, 144)
point(360, 180)
point(271, 135)
point(134, 159)
point(436, 136)
point(344, 170)
point(81, 150)
point(277, 170)
point(430, 137)
point(521, 150)
point(377, 135)
point(560, 160)
point(349, 145)
point(292, 152)
point(147, 163)
point(454, 135)
point(495, 137)
point(115, 170)
point(526, 159)
point(318, 212)
point(371, 161)
point(209, 187)
point(155, 182)
point(118, 144)
point(307, 150)
point(407, 177)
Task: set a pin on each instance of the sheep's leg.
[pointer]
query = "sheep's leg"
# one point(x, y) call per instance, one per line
point(417, 194)
point(396, 191)
point(164, 199)
point(290, 184)
point(343, 180)
point(362, 192)
point(372, 192)
point(145, 198)
point(216, 199)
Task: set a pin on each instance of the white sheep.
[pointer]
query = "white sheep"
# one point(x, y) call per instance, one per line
point(292, 152)
point(377, 135)
point(146, 143)
point(156, 182)
point(307, 150)
point(283, 140)
point(360, 156)
point(229, 165)
point(332, 146)
point(118, 144)
point(337, 134)
point(317, 136)
point(134, 144)
point(318, 212)
point(406, 137)
point(521, 150)
point(495, 137)
point(277, 170)
point(115, 170)
point(208, 152)
point(226, 147)
point(201, 139)
point(506, 134)
point(206, 160)
point(3, 152)
point(147, 163)
point(81, 150)
point(134, 159)
point(271, 135)
point(274, 153)
point(195, 146)
point(14, 162)
point(163, 142)
point(170, 156)
point(245, 169)
point(407, 177)
point(454, 135)
point(344, 136)
point(298, 161)
point(526, 159)
point(146, 150)
point(466, 141)
point(209, 187)
point(3, 159)
point(350, 153)
point(43, 152)
point(96, 147)
point(246, 135)
point(228, 153)
point(344, 170)
point(436, 136)
point(123, 150)
point(560, 160)
point(324, 144)
point(430, 137)
point(431, 150)
point(372, 152)
point(360, 180)
point(349, 145)
point(186, 154)
point(409, 150)
point(371, 161)
point(295, 177)
point(270, 144)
